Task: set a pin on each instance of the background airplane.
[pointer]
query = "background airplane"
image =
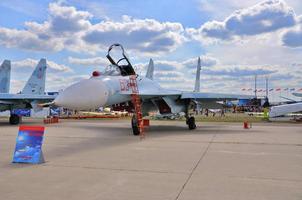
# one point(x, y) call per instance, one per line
point(297, 94)
point(31, 95)
point(281, 110)
point(118, 83)
point(5, 69)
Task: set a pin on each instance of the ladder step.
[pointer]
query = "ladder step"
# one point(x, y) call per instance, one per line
point(136, 101)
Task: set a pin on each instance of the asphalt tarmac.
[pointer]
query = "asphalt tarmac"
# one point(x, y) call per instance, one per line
point(101, 159)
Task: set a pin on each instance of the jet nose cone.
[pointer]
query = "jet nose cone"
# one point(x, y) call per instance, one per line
point(84, 95)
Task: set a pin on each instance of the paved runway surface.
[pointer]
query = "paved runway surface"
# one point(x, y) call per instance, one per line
point(100, 159)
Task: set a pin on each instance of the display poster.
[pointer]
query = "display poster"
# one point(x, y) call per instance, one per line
point(29, 145)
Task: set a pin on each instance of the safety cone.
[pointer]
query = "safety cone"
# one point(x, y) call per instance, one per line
point(246, 125)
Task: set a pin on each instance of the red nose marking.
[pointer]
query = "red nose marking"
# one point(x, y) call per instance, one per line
point(96, 73)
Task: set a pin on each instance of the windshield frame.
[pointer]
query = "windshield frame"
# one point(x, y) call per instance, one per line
point(112, 70)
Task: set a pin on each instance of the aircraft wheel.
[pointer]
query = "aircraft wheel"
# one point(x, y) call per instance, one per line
point(135, 128)
point(191, 123)
point(14, 119)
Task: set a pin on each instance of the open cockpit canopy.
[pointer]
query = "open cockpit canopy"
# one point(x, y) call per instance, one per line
point(120, 66)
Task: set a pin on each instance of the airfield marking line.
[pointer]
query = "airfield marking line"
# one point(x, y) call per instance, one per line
point(114, 169)
point(251, 143)
point(267, 179)
point(195, 167)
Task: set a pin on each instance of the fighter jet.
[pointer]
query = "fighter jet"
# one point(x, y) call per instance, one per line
point(117, 84)
point(5, 69)
point(31, 95)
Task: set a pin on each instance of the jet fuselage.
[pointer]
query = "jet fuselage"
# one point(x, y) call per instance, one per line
point(103, 91)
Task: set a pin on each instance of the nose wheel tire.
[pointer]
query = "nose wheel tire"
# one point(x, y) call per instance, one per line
point(191, 123)
point(14, 119)
point(134, 124)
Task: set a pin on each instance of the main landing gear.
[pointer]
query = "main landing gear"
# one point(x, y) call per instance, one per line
point(14, 119)
point(191, 123)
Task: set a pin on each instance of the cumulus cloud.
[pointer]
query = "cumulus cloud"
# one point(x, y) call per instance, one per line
point(164, 65)
point(205, 61)
point(232, 78)
point(95, 61)
point(293, 37)
point(71, 29)
point(66, 19)
point(27, 40)
point(265, 17)
point(167, 74)
point(237, 71)
point(31, 63)
point(147, 35)
point(61, 82)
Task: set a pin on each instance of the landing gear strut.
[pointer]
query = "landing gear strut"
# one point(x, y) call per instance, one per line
point(14, 119)
point(135, 127)
point(191, 123)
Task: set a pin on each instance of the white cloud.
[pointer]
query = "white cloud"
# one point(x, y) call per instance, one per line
point(147, 35)
point(205, 61)
point(70, 29)
point(26, 40)
point(95, 61)
point(31, 63)
point(67, 19)
point(220, 9)
point(265, 17)
point(61, 82)
point(293, 37)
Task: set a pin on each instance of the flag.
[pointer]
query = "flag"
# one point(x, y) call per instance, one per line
point(278, 89)
point(243, 89)
point(300, 89)
point(272, 89)
point(285, 89)
point(292, 89)
point(250, 89)
point(260, 90)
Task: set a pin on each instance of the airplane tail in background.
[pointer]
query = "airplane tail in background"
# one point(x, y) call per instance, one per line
point(5, 69)
point(197, 80)
point(36, 83)
point(150, 70)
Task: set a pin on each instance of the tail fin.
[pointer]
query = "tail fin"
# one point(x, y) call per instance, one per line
point(5, 69)
point(150, 70)
point(197, 80)
point(36, 83)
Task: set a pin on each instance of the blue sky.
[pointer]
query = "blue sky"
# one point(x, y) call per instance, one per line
point(236, 40)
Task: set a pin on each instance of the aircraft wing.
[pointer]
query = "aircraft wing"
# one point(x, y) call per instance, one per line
point(154, 93)
point(213, 96)
point(199, 96)
point(17, 98)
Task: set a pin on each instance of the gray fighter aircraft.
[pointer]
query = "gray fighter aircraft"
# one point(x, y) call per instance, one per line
point(31, 95)
point(113, 86)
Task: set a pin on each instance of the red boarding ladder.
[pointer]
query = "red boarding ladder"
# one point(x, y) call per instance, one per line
point(137, 105)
